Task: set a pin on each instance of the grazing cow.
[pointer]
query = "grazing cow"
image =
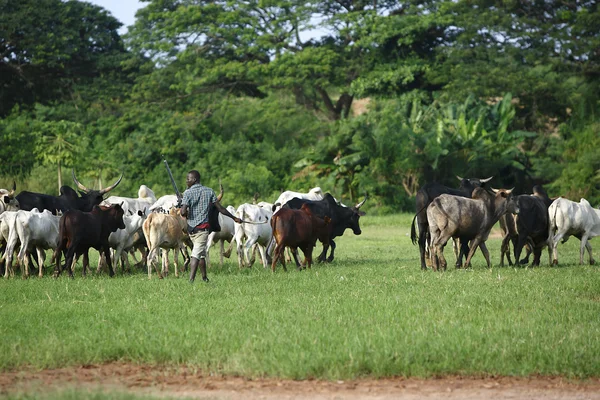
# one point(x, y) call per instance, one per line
point(37, 231)
point(532, 223)
point(226, 234)
point(257, 233)
point(568, 218)
point(122, 240)
point(144, 201)
point(164, 231)
point(313, 194)
point(425, 196)
point(341, 217)
point(68, 199)
point(466, 219)
point(8, 202)
point(298, 229)
point(78, 231)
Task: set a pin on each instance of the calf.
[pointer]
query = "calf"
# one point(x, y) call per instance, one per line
point(298, 229)
point(568, 218)
point(164, 231)
point(78, 231)
point(467, 219)
point(9, 240)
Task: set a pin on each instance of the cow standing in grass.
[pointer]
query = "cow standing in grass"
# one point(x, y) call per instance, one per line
point(466, 219)
point(78, 231)
point(298, 229)
point(425, 196)
point(568, 218)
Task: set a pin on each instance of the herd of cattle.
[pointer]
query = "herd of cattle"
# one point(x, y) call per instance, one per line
point(467, 215)
point(72, 223)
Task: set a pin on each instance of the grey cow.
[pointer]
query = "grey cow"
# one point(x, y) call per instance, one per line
point(467, 219)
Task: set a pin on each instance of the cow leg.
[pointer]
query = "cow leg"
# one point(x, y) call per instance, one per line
point(519, 247)
point(263, 255)
point(422, 240)
point(176, 260)
point(295, 254)
point(165, 262)
point(553, 242)
point(86, 262)
point(505, 249)
point(474, 245)
point(40, 253)
point(331, 255)
point(486, 253)
point(584, 242)
point(588, 246)
point(227, 252)
point(276, 257)
point(221, 250)
point(457, 249)
point(111, 271)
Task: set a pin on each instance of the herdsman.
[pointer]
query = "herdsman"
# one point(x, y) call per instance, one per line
point(196, 203)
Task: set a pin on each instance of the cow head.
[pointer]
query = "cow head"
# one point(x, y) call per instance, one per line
point(469, 184)
point(89, 197)
point(355, 216)
point(8, 198)
point(505, 202)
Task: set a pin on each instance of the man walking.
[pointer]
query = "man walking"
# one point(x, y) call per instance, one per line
point(195, 206)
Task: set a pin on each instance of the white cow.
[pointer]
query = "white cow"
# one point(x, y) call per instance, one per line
point(37, 231)
point(313, 194)
point(164, 203)
point(7, 223)
point(568, 218)
point(227, 234)
point(144, 201)
point(164, 231)
point(8, 202)
point(258, 233)
point(122, 240)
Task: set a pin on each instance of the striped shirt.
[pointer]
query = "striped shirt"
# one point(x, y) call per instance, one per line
point(198, 198)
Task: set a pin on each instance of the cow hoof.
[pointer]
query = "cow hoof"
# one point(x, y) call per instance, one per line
point(554, 262)
point(592, 262)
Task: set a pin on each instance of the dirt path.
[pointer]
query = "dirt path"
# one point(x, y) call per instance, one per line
point(185, 382)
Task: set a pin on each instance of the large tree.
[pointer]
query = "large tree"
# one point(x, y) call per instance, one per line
point(47, 47)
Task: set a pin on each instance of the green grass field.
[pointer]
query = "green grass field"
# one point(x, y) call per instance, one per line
point(372, 312)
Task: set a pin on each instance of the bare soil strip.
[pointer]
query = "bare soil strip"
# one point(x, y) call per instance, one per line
point(174, 382)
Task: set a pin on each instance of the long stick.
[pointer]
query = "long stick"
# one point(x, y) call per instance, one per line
point(179, 196)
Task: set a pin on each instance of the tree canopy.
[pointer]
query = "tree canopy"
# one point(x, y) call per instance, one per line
point(352, 96)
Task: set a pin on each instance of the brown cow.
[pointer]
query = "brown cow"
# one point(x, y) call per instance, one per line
point(164, 231)
point(78, 231)
point(298, 229)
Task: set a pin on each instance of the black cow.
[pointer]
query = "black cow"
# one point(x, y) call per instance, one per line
point(532, 222)
point(78, 231)
point(341, 218)
point(68, 199)
point(425, 196)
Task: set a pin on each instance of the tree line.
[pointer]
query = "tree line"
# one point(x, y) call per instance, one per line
point(353, 96)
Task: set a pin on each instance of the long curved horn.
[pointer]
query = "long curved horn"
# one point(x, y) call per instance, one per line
point(359, 205)
point(79, 185)
point(12, 192)
point(220, 196)
point(486, 179)
point(111, 187)
point(459, 178)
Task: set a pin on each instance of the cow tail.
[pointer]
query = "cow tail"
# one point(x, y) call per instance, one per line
point(413, 231)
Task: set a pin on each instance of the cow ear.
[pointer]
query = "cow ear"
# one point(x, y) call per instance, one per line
point(6, 199)
point(362, 213)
